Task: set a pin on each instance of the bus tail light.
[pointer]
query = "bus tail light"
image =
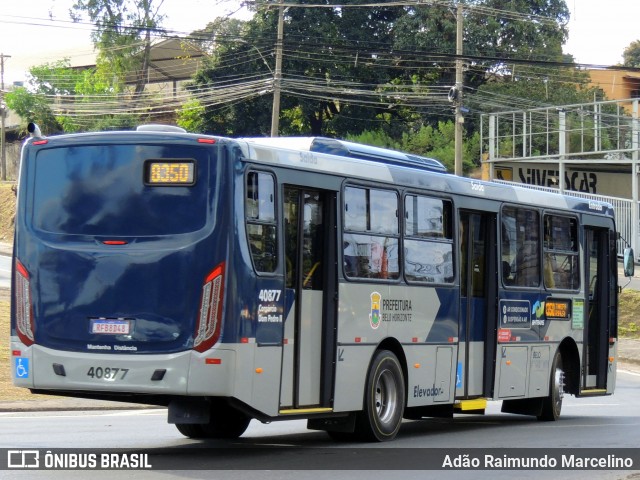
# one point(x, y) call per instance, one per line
point(22, 298)
point(208, 326)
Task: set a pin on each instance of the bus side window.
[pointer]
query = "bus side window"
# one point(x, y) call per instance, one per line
point(561, 258)
point(520, 247)
point(428, 244)
point(261, 221)
point(370, 241)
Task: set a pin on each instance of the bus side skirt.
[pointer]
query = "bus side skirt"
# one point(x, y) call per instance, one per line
point(523, 406)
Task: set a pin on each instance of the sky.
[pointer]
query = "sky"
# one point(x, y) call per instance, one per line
point(599, 31)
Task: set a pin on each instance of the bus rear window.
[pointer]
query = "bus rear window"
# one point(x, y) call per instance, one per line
point(104, 190)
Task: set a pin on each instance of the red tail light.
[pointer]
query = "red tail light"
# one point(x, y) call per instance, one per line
point(208, 327)
point(22, 297)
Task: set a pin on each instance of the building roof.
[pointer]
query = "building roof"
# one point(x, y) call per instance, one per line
point(172, 60)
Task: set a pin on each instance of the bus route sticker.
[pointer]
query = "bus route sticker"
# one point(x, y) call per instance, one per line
point(515, 314)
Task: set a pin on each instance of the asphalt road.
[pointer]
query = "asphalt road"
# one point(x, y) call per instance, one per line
point(284, 450)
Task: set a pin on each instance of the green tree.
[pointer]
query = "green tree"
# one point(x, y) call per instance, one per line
point(191, 116)
point(384, 69)
point(62, 98)
point(427, 141)
point(123, 33)
point(33, 107)
point(383, 72)
point(314, 34)
point(45, 82)
point(56, 93)
point(631, 55)
point(493, 30)
point(220, 31)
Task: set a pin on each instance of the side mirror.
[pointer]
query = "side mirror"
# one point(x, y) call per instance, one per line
point(628, 262)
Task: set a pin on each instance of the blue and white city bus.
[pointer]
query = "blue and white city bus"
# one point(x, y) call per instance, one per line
point(239, 279)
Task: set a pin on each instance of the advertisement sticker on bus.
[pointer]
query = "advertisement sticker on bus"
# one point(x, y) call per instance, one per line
point(515, 313)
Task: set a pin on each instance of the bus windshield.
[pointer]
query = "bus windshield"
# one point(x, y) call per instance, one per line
point(120, 190)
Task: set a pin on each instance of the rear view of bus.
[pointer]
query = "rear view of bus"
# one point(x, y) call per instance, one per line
point(119, 263)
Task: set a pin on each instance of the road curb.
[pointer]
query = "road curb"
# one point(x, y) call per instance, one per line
point(69, 405)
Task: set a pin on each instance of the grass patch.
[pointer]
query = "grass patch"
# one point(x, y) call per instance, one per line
point(7, 211)
point(629, 314)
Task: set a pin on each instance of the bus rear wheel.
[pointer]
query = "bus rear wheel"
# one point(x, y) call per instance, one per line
point(552, 404)
point(384, 399)
point(225, 423)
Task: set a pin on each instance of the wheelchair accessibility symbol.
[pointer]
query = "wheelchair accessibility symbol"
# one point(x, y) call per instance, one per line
point(22, 368)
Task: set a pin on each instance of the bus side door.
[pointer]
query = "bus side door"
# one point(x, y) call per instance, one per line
point(478, 287)
point(601, 283)
point(309, 331)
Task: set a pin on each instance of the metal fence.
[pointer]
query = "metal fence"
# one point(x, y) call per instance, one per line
point(599, 130)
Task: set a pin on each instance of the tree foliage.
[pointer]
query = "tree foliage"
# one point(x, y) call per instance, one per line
point(123, 33)
point(33, 107)
point(436, 142)
point(376, 72)
point(631, 55)
point(406, 54)
point(57, 82)
point(123, 40)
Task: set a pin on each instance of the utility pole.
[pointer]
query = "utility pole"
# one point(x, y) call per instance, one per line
point(3, 148)
point(277, 77)
point(459, 120)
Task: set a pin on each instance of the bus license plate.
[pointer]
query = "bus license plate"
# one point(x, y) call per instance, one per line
point(111, 327)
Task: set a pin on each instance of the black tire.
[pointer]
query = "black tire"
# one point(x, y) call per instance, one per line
point(552, 404)
point(226, 423)
point(342, 436)
point(384, 399)
point(191, 430)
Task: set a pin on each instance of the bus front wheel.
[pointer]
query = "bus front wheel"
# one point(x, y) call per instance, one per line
point(384, 399)
point(552, 404)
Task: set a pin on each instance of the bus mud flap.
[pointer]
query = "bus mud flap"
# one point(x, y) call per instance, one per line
point(345, 424)
point(189, 410)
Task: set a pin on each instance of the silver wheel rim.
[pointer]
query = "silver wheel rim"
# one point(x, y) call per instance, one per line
point(386, 396)
point(558, 389)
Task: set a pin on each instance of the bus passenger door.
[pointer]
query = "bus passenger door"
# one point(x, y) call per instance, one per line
point(596, 330)
point(309, 338)
point(478, 290)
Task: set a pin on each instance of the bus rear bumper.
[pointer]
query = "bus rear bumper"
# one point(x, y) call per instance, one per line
point(41, 368)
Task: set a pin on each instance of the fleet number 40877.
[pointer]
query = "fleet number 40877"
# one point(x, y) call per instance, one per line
point(269, 295)
point(107, 373)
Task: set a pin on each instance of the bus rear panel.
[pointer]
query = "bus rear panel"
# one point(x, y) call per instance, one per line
point(120, 247)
